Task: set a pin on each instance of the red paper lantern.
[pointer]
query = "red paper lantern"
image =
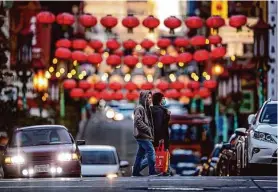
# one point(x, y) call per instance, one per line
point(69, 84)
point(119, 52)
point(147, 86)
point(172, 94)
point(87, 20)
point(162, 85)
point(129, 44)
point(115, 86)
point(204, 93)
point(118, 95)
point(45, 17)
point(96, 44)
point(106, 95)
point(215, 22)
point(193, 85)
point(132, 96)
point(76, 93)
point(79, 56)
point(113, 60)
point(218, 52)
point(201, 55)
point(63, 43)
point(130, 86)
point(63, 53)
point(237, 21)
point(198, 40)
point(215, 39)
point(172, 23)
point(109, 22)
point(194, 22)
point(151, 22)
point(147, 44)
point(163, 43)
point(65, 19)
point(113, 44)
point(181, 42)
point(177, 85)
point(100, 85)
point(149, 60)
point(94, 58)
point(79, 44)
point(131, 61)
point(187, 93)
point(84, 84)
point(184, 57)
point(130, 22)
point(91, 93)
point(167, 59)
point(210, 84)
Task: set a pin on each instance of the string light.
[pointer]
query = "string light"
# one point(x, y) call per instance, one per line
point(75, 63)
point(80, 76)
point(47, 75)
point(84, 73)
point(233, 58)
point(58, 74)
point(160, 65)
point(138, 47)
point(150, 78)
point(181, 64)
point(105, 54)
point(51, 69)
point(127, 77)
point(69, 75)
point(139, 65)
point(73, 72)
point(55, 61)
point(172, 77)
point(62, 70)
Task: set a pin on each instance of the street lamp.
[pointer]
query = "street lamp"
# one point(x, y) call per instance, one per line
point(40, 84)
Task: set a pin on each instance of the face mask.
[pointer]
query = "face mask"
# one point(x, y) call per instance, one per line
point(163, 102)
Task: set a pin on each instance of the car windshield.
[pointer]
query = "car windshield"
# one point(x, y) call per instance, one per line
point(45, 136)
point(269, 114)
point(98, 158)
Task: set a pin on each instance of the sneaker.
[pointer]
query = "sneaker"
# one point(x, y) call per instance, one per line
point(135, 175)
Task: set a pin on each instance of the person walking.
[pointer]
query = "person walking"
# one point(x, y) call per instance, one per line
point(161, 117)
point(144, 134)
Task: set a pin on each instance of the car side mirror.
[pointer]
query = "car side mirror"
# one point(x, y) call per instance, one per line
point(226, 146)
point(251, 119)
point(204, 160)
point(80, 142)
point(124, 164)
point(240, 131)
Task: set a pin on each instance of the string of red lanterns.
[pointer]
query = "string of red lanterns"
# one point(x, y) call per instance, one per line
point(131, 21)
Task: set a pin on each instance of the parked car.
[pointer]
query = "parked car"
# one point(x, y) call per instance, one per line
point(185, 162)
point(259, 148)
point(43, 150)
point(209, 165)
point(101, 160)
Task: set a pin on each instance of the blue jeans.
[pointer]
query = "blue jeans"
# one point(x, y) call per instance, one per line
point(145, 148)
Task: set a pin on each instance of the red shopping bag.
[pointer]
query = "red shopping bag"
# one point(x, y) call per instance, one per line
point(161, 158)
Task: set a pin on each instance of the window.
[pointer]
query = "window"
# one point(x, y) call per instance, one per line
point(34, 137)
point(269, 114)
point(98, 158)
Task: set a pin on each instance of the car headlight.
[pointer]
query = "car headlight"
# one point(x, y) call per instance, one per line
point(263, 137)
point(14, 160)
point(110, 113)
point(111, 175)
point(67, 156)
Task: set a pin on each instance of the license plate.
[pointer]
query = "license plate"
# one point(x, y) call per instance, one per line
point(41, 168)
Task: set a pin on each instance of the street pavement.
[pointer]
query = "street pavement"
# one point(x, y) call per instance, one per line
point(138, 184)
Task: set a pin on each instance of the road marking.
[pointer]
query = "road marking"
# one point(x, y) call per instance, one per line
point(175, 189)
point(270, 181)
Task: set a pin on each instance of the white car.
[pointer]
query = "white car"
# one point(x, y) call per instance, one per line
point(262, 136)
point(100, 161)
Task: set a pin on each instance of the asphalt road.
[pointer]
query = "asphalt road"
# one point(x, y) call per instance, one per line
point(138, 184)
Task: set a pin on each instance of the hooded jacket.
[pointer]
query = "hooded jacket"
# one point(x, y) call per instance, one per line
point(143, 122)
